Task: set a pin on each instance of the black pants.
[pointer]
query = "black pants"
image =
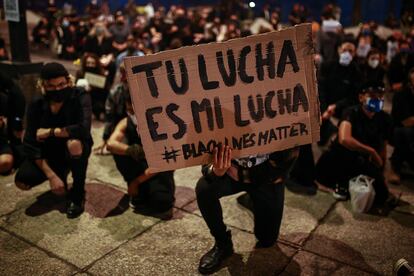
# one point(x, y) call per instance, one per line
point(338, 166)
point(61, 162)
point(157, 192)
point(303, 171)
point(403, 141)
point(98, 97)
point(267, 199)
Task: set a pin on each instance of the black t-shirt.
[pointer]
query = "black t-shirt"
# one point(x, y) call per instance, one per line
point(339, 85)
point(403, 105)
point(369, 131)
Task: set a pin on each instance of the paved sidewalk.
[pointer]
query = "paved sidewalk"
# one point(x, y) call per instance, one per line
point(319, 236)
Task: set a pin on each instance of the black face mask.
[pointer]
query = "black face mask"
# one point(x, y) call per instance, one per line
point(92, 69)
point(58, 96)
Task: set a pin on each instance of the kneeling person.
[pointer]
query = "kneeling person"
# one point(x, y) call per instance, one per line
point(57, 138)
point(262, 177)
point(155, 191)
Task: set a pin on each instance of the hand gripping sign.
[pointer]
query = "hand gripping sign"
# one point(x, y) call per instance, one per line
point(257, 94)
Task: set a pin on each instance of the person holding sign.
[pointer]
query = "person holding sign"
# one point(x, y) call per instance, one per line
point(262, 177)
point(145, 189)
point(57, 138)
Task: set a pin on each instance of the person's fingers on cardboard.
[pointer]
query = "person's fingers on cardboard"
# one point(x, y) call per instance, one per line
point(215, 161)
point(221, 156)
point(226, 156)
point(229, 157)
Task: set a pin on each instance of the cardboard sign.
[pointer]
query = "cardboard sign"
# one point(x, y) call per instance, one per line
point(11, 10)
point(257, 94)
point(95, 80)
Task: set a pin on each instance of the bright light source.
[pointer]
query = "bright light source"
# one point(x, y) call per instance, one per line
point(252, 4)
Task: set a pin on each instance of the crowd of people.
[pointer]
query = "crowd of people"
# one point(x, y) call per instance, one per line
point(355, 73)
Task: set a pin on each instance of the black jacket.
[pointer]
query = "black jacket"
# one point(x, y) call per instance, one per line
point(75, 116)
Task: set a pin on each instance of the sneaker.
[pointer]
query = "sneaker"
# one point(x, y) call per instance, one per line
point(403, 268)
point(340, 194)
point(136, 203)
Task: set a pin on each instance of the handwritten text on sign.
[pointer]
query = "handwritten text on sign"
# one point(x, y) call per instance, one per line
point(256, 94)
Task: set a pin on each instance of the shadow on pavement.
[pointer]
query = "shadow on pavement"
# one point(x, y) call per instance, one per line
point(101, 201)
point(46, 203)
point(269, 261)
point(338, 250)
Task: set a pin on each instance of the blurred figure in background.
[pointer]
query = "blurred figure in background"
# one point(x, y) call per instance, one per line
point(403, 136)
point(12, 109)
point(97, 85)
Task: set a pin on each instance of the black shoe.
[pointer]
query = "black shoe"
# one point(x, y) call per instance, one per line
point(212, 260)
point(136, 203)
point(341, 193)
point(166, 215)
point(74, 210)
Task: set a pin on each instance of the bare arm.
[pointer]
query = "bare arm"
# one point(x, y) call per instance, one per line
point(56, 184)
point(115, 144)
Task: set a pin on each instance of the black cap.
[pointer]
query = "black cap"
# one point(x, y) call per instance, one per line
point(53, 70)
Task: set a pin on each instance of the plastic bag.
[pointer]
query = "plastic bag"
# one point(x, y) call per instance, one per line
point(362, 193)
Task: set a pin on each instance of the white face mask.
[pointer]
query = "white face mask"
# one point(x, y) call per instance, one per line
point(373, 63)
point(133, 118)
point(345, 58)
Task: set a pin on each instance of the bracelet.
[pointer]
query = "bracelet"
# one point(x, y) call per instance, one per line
point(52, 132)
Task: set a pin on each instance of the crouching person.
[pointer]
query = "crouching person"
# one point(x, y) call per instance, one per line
point(57, 138)
point(153, 191)
point(360, 147)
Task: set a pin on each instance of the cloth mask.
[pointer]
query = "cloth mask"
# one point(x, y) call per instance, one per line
point(373, 63)
point(58, 96)
point(374, 105)
point(345, 58)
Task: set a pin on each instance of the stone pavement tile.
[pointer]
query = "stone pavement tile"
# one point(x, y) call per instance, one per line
point(175, 247)
point(305, 263)
point(12, 198)
point(20, 258)
point(369, 242)
point(102, 167)
point(185, 181)
point(301, 214)
point(84, 239)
